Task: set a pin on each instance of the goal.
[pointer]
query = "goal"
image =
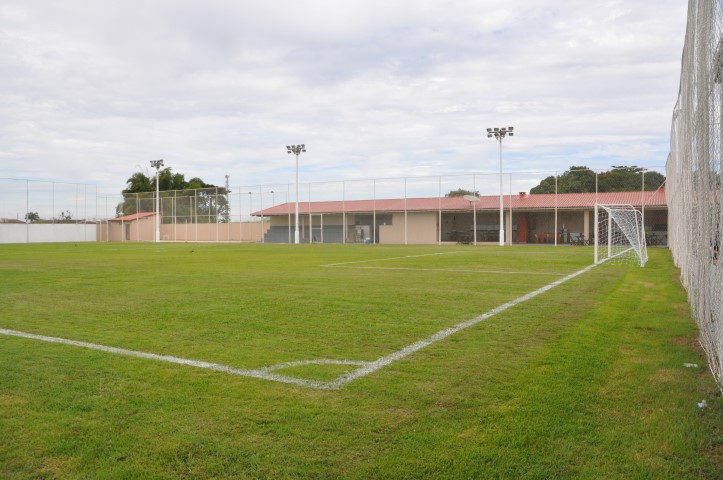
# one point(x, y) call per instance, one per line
point(619, 235)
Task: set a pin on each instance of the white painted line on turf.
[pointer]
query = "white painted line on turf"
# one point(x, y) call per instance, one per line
point(406, 351)
point(450, 270)
point(321, 361)
point(266, 373)
point(260, 373)
point(391, 258)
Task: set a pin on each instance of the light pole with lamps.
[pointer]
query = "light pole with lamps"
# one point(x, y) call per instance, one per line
point(296, 150)
point(251, 210)
point(498, 134)
point(157, 164)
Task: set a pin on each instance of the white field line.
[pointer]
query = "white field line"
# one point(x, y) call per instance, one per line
point(447, 270)
point(392, 258)
point(616, 255)
point(261, 373)
point(266, 373)
point(406, 351)
point(450, 270)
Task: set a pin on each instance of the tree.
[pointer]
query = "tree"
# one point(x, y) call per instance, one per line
point(461, 192)
point(207, 203)
point(622, 178)
point(65, 217)
point(575, 180)
point(139, 182)
point(32, 217)
point(580, 179)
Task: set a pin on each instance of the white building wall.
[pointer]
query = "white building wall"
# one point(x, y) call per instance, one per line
point(47, 233)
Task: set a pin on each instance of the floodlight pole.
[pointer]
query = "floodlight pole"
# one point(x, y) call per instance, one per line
point(498, 134)
point(251, 210)
point(296, 150)
point(157, 164)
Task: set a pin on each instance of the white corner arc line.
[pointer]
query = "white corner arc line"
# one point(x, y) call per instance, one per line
point(321, 361)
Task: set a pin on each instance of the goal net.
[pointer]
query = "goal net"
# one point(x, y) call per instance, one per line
point(619, 235)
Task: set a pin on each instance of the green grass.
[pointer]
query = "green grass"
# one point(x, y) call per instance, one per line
point(585, 381)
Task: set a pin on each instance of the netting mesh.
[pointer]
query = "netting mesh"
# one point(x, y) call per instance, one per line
point(619, 235)
point(694, 175)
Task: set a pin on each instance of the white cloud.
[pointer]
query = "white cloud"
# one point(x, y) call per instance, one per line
point(93, 89)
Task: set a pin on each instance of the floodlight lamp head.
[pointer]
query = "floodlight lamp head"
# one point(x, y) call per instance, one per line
point(489, 130)
point(497, 129)
point(512, 134)
point(296, 149)
point(510, 128)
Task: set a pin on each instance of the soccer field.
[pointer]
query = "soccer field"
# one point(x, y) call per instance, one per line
point(317, 361)
point(318, 311)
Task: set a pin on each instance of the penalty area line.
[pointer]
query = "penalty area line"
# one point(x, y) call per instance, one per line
point(449, 270)
point(391, 258)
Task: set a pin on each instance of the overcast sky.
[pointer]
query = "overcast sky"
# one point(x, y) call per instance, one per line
point(92, 90)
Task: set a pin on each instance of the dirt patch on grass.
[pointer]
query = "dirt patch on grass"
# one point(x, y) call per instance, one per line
point(665, 375)
point(8, 400)
point(689, 342)
point(716, 455)
point(56, 467)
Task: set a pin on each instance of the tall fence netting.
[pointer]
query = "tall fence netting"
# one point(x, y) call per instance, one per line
point(694, 175)
point(241, 213)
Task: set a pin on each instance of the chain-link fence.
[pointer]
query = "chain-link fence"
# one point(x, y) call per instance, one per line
point(34, 201)
point(534, 207)
point(467, 208)
point(694, 169)
point(37, 211)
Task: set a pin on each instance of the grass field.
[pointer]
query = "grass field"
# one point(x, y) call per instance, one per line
point(585, 380)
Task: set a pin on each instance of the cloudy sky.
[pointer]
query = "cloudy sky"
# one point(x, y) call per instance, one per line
point(92, 90)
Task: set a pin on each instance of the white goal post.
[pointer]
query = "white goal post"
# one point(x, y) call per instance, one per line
point(619, 235)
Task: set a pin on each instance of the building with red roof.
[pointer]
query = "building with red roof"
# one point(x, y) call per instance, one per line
point(133, 227)
point(528, 218)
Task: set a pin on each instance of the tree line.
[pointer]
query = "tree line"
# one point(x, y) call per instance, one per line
point(583, 180)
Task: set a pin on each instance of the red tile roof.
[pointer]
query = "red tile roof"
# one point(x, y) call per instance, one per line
point(570, 201)
point(133, 216)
